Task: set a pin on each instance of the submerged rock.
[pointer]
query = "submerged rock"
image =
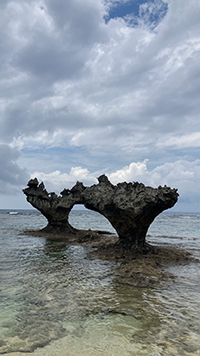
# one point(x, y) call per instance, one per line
point(129, 207)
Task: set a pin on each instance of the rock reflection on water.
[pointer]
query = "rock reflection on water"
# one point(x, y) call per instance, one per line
point(72, 305)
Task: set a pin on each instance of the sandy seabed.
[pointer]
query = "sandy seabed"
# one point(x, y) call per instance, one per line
point(105, 337)
point(102, 342)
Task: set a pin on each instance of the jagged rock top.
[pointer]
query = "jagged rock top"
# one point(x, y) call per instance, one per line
point(33, 183)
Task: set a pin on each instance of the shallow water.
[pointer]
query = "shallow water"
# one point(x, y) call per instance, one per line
point(57, 300)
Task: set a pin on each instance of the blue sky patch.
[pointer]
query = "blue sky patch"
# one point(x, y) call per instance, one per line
point(132, 11)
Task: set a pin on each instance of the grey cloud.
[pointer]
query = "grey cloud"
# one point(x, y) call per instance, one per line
point(61, 54)
point(3, 3)
point(50, 61)
point(11, 174)
point(80, 21)
point(15, 119)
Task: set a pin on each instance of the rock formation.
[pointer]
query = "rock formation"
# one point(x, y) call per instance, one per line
point(55, 208)
point(129, 207)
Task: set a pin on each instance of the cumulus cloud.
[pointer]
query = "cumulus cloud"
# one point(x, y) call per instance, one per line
point(57, 181)
point(133, 172)
point(182, 175)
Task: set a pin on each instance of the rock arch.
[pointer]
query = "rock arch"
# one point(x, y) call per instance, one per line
point(129, 207)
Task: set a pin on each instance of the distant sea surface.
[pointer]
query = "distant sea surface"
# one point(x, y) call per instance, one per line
point(57, 300)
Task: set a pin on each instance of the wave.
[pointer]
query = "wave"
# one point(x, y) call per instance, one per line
point(165, 236)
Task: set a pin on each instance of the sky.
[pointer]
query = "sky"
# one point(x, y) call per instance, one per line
point(91, 87)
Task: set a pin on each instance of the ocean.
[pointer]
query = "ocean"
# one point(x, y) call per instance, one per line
point(55, 299)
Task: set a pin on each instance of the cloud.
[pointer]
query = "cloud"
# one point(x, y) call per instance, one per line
point(181, 174)
point(54, 34)
point(66, 78)
point(77, 91)
point(133, 172)
point(57, 181)
point(184, 141)
point(12, 176)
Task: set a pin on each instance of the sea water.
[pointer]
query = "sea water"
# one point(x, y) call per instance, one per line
point(56, 299)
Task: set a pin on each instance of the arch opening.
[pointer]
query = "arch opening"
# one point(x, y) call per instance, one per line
point(84, 219)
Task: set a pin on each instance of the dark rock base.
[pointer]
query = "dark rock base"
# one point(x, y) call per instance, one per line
point(144, 267)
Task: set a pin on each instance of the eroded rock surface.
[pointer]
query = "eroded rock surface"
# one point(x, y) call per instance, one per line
point(129, 207)
point(55, 208)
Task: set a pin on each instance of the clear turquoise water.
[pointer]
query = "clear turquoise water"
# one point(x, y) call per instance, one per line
point(57, 300)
